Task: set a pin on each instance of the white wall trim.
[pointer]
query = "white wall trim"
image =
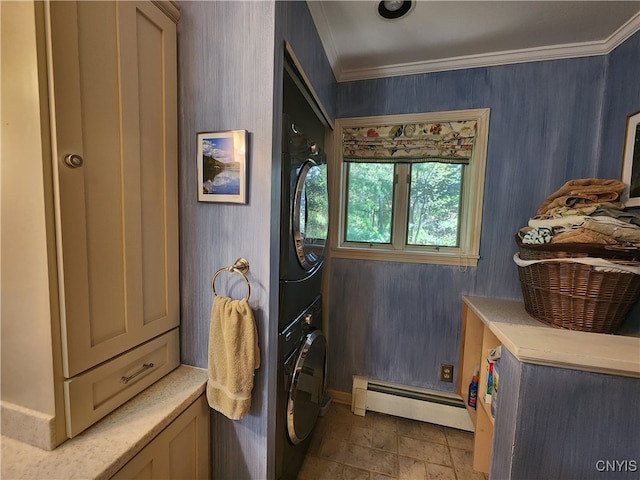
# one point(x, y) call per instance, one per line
point(553, 52)
point(364, 399)
point(473, 61)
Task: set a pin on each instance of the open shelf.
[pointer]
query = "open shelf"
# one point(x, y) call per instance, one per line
point(477, 340)
point(487, 410)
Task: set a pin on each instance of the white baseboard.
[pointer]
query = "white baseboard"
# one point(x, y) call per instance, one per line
point(410, 402)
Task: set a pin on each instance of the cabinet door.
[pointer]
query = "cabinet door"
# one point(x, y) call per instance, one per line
point(113, 99)
point(179, 451)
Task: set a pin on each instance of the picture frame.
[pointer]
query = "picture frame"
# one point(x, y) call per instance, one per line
point(631, 161)
point(222, 166)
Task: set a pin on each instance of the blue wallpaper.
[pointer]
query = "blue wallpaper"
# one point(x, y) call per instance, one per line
point(550, 122)
point(230, 77)
point(399, 322)
point(295, 25)
point(226, 75)
point(548, 415)
point(622, 98)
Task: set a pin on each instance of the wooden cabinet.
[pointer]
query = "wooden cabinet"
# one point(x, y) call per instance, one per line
point(91, 160)
point(553, 386)
point(477, 340)
point(98, 391)
point(113, 91)
point(180, 451)
point(113, 98)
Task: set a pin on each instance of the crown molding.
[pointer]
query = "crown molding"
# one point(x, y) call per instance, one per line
point(624, 32)
point(555, 52)
point(473, 61)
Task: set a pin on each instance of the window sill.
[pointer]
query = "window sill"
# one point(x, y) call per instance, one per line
point(435, 258)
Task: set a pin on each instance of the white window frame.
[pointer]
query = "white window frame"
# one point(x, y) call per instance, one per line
point(468, 251)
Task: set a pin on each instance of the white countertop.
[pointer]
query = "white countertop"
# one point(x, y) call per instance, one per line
point(100, 451)
point(531, 341)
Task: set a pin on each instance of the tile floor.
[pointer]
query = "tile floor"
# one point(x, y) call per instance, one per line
point(382, 447)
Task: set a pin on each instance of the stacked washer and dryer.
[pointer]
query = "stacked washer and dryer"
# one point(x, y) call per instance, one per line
point(303, 233)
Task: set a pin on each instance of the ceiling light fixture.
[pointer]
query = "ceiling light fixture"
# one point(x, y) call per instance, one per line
point(392, 9)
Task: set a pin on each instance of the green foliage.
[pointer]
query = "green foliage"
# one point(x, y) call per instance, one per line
point(369, 202)
point(434, 203)
point(315, 205)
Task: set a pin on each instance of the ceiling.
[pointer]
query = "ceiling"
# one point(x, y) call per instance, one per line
point(449, 35)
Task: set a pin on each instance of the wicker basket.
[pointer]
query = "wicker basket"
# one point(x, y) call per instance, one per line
point(562, 288)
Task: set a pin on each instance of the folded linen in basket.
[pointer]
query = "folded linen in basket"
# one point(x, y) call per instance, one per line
point(583, 235)
point(233, 356)
point(620, 231)
point(583, 192)
point(538, 235)
point(557, 224)
point(626, 216)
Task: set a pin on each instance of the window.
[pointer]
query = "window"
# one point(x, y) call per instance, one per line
point(410, 187)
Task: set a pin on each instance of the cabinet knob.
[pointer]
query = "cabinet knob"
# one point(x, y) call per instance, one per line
point(73, 161)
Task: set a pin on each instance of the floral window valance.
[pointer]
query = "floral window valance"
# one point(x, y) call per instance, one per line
point(449, 142)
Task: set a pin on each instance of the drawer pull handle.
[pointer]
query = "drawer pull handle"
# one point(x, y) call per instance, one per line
point(145, 366)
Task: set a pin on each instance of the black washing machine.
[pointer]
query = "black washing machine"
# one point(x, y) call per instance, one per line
point(304, 202)
point(301, 383)
point(303, 232)
point(305, 217)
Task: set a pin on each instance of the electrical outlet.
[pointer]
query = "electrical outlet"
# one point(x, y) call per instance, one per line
point(446, 373)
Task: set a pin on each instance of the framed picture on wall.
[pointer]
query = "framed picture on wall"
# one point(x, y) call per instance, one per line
point(631, 160)
point(222, 166)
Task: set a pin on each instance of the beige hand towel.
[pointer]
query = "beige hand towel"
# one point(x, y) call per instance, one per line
point(581, 192)
point(233, 356)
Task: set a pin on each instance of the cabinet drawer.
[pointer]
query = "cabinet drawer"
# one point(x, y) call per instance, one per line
point(93, 394)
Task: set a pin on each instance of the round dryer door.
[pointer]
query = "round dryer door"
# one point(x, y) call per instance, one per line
point(310, 213)
point(307, 387)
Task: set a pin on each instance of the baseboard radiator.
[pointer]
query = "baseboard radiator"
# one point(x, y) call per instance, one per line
point(409, 402)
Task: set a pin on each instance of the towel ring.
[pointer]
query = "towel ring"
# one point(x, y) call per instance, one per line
point(241, 267)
